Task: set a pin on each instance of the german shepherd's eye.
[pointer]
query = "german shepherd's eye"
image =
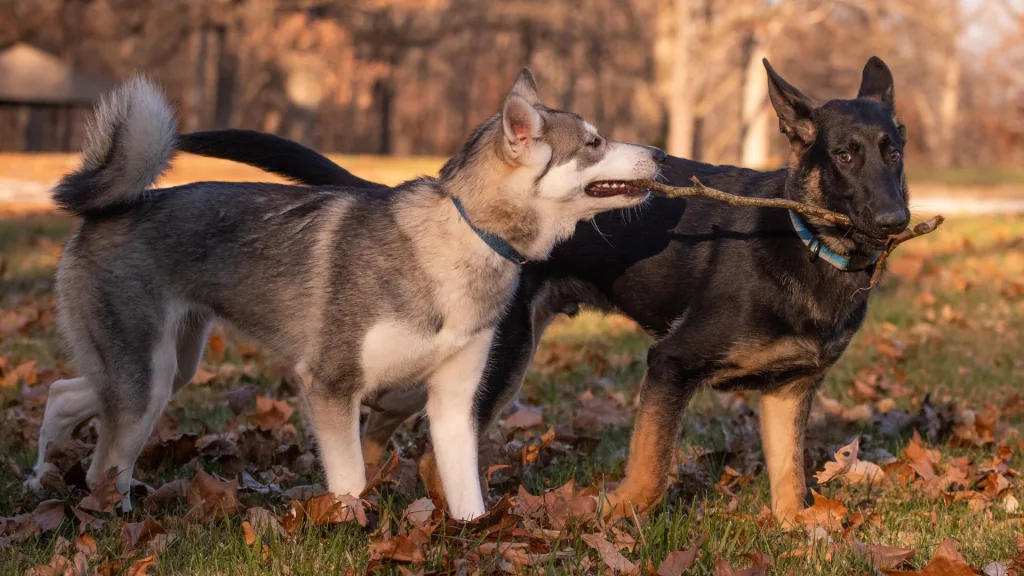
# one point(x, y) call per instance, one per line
point(895, 156)
point(595, 143)
point(844, 157)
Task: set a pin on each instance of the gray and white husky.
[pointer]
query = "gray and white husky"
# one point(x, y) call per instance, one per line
point(359, 291)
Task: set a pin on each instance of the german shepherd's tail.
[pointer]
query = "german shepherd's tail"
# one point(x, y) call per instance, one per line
point(273, 154)
point(128, 144)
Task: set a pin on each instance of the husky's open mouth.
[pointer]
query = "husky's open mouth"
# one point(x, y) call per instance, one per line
point(608, 188)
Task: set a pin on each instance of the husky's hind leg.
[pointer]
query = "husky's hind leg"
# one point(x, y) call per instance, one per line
point(191, 343)
point(70, 402)
point(140, 389)
point(335, 422)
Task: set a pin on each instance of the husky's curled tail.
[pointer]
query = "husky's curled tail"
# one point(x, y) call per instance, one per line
point(128, 144)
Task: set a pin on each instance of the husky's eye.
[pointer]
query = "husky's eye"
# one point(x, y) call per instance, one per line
point(844, 157)
point(595, 143)
point(895, 156)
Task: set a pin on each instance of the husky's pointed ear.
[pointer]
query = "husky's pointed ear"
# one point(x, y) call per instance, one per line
point(526, 87)
point(876, 83)
point(521, 124)
point(793, 108)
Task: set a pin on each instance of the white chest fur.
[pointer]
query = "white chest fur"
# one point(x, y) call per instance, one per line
point(395, 352)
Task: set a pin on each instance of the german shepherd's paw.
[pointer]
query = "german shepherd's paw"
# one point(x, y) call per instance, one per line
point(617, 505)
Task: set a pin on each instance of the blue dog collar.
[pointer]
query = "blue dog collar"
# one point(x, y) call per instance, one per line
point(496, 243)
point(815, 244)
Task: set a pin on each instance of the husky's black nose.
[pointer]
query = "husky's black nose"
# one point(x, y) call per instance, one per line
point(891, 222)
point(659, 155)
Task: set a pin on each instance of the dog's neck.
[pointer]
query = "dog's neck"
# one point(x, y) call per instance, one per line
point(496, 211)
point(835, 238)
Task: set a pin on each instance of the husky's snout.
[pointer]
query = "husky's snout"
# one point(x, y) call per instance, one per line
point(635, 162)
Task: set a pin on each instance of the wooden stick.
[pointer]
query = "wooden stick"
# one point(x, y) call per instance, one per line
point(700, 189)
point(926, 227)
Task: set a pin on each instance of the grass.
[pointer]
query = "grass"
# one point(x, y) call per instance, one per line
point(951, 300)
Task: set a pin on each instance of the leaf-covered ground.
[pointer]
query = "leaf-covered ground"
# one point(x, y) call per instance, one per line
point(915, 441)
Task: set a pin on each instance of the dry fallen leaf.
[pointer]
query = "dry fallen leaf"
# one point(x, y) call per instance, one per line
point(141, 566)
point(248, 533)
point(611, 557)
point(48, 515)
point(598, 414)
point(920, 458)
point(209, 498)
point(376, 477)
point(138, 533)
point(525, 418)
point(759, 566)
point(678, 562)
point(402, 548)
point(270, 413)
point(824, 513)
point(104, 494)
point(324, 510)
point(996, 569)
point(849, 469)
point(169, 492)
point(558, 506)
point(946, 562)
point(59, 565)
point(418, 512)
point(263, 522)
point(882, 557)
point(25, 372)
point(86, 544)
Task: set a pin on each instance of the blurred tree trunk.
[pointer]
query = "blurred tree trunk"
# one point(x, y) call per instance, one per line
point(197, 95)
point(227, 66)
point(383, 95)
point(949, 100)
point(756, 114)
point(681, 97)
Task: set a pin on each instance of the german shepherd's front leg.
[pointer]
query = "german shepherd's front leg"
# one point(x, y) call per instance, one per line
point(784, 415)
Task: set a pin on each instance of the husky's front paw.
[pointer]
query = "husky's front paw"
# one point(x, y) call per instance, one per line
point(34, 483)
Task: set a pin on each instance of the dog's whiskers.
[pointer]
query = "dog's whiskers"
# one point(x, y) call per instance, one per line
point(593, 222)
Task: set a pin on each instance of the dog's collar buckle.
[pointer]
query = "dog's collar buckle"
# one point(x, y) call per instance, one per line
point(496, 243)
point(816, 246)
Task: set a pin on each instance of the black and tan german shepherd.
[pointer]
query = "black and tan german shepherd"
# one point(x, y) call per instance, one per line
point(738, 298)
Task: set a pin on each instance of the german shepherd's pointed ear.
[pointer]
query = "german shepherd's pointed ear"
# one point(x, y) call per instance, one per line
point(793, 107)
point(520, 120)
point(876, 83)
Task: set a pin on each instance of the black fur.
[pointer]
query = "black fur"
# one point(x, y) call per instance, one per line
point(251, 147)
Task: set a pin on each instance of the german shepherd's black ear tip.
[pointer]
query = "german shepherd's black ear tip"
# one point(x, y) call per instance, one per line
point(773, 76)
point(876, 82)
point(876, 65)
